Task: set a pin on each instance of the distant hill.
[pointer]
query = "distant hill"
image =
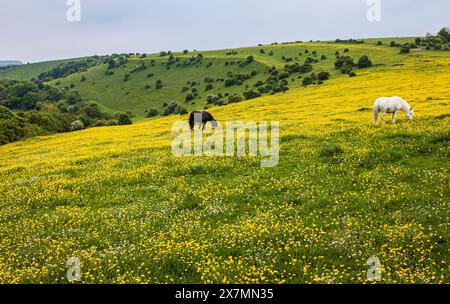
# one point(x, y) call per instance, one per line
point(10, 63)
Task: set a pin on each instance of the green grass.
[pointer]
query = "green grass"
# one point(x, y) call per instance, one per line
point(32, 70)
point(113, 94)
point(343, 191)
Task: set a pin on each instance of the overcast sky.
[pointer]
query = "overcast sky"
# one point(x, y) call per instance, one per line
point(38, 30)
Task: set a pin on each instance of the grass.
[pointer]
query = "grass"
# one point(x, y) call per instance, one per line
point(114, 94)
point(344, 191)
point(29, 71)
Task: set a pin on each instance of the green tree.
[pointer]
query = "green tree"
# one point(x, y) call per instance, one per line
point(124, 119)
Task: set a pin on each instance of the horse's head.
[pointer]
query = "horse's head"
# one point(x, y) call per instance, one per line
point(410, 114)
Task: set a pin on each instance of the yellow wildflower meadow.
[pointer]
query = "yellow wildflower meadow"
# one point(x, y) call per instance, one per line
point(344, 191)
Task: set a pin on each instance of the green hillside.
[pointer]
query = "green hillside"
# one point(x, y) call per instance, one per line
point(30, 71)
point(115, 94)
point(139, 93)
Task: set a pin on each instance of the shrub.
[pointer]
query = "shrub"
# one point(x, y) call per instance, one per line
point(126, 77)
point(189, 97)
point(323, 57)
point(76, 125)
point(159, 84)
point(212, 99)
point(307, 80)
point(152, 112)
point(405, 49)
point(345, 64)
point(209, 87)
point(124, 119)
point(251, 94)
point(234, 98)
point(12, 127)
point(364, 62)
point(352, 74)
point(323, 76)
point(174, 108)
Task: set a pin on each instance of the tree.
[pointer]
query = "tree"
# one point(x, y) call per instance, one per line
point(12, 127)
point(189, 97)
point(251, 94)
point(323, 76)
point(76, 125)
point(124, 119)
point(445, 33)
point(364, 62)
point(152, 112)
point(209, 87)
point(405, 49)
point(307, 81)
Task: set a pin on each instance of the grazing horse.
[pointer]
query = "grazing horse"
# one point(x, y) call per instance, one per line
point(201, 118)
point(391, 105)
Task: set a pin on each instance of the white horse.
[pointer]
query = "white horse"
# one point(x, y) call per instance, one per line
point(391, 105)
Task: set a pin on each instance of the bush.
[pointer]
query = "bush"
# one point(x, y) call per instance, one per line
point(345, 64)
point(212, 99)
point(12, 127)
point(209, 87)
point(159, 84)
point(174, 108)
point(308, 81)
point(124, 119)
point(251, 95)
point(364, 62)
point(189, 97)
point(405, 49)
point(76, 125)
point(352, 74)
point(323, 76)
point(152, 112)
point(234, 98)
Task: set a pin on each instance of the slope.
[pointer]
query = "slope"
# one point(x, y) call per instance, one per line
point(343, 192)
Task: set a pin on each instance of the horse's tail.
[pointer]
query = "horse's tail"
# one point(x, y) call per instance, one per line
point(376, 110)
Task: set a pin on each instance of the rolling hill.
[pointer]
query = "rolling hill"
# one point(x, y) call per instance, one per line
point(139, 93)
point(344, 190)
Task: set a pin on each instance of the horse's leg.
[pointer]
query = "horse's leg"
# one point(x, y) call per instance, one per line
point(382, 116)
point(394, 117)
point(376, 111)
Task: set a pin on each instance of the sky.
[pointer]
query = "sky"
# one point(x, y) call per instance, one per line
point(38, 30)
